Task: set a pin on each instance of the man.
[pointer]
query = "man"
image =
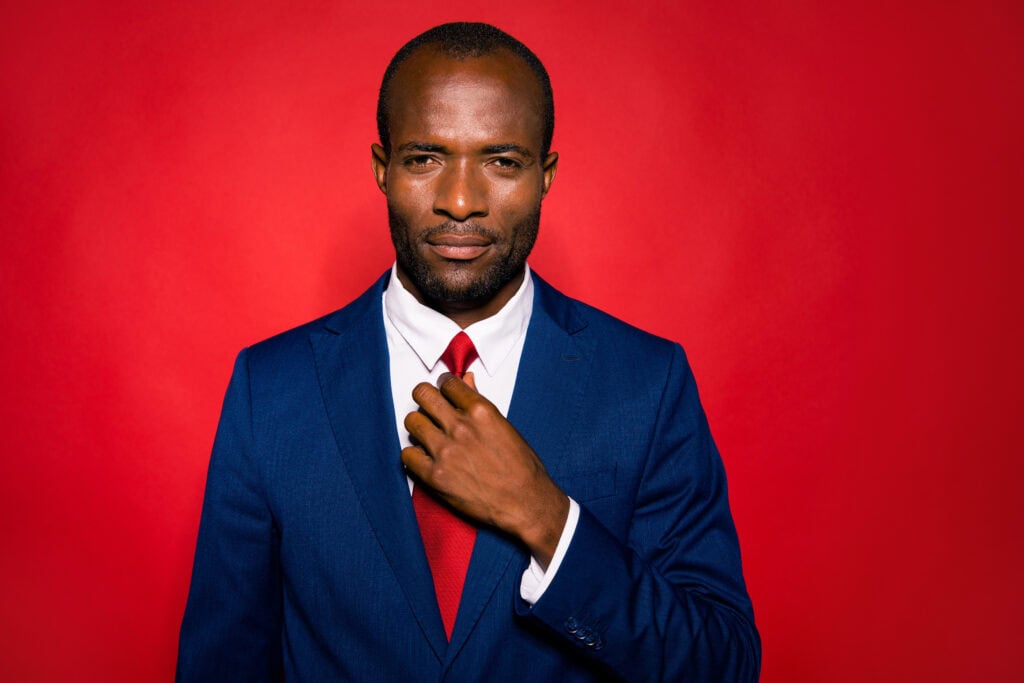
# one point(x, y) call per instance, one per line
point(586, 537)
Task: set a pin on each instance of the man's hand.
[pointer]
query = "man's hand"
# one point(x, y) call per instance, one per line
point(476, 461)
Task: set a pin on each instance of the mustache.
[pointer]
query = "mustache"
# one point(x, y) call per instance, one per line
point(460, 230)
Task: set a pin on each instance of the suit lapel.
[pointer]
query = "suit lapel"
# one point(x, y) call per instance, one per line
point(352, 364)
point(548, 395)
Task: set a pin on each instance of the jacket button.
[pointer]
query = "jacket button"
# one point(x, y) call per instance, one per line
point(571, 625)
point(590, 640)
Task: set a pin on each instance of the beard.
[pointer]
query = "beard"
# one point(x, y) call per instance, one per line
point(459, 282)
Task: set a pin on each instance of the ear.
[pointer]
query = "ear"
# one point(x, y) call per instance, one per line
point(379, 162)
point(550, 166)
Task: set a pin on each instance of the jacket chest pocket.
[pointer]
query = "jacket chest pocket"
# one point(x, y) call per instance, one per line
point(587, 485)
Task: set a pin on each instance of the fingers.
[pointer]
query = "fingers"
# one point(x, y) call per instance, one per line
point(424, 430)
point(468, 378)
point(432, 402)
point(453, 392)
point(417, 462)
point(443, 411)
point(460, 393)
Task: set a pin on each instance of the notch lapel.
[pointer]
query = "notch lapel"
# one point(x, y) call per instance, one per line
point(352, 365)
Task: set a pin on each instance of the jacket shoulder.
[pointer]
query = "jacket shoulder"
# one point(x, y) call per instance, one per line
point(288, 345)
point(605, 331)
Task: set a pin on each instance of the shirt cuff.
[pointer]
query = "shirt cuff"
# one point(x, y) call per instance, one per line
point(535, 580)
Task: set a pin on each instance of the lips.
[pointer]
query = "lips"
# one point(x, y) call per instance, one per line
point(458, 247)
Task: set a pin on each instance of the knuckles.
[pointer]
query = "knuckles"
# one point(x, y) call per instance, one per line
point(446, 453)
point(438, 476)
point(459, 430)
point(479, 410)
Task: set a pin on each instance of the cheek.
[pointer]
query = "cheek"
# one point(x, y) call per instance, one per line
point(517, 201)
point(409, 200)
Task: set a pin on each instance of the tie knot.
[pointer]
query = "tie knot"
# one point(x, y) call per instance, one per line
point(459, 354)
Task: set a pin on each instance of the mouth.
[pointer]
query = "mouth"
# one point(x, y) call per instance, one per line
point(458, 247)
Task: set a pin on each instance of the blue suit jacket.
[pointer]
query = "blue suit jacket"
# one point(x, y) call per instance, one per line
point(309, 559)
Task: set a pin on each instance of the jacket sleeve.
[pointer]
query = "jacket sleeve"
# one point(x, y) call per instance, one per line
point(232, 624)
point(668, 603)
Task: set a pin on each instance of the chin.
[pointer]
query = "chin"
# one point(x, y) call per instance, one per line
point(468, 283)
point(458, 282)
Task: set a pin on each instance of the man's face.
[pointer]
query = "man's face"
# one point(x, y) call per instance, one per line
point(464, 178)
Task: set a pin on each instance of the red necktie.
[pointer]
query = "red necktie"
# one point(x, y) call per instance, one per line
point(447, 538)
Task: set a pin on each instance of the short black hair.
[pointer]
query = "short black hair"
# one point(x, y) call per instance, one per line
point(462, 40)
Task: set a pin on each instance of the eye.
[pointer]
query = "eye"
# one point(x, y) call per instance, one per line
point(418, 162)
point(506, 163)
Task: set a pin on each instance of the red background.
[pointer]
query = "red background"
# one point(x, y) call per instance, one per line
point(822, 204)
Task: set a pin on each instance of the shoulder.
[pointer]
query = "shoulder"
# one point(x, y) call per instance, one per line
point(356, 317)
point(604, 332)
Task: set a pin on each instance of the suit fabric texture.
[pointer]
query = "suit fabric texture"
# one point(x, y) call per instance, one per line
point(309, 561)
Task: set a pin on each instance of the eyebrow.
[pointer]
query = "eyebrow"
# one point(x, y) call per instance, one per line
point(507, 147)
point(422, 147)
point(416, 146)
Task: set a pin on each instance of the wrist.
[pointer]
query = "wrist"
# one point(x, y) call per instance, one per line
point(544, 530)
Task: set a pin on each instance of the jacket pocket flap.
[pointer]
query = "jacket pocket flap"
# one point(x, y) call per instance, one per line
point(588, 485)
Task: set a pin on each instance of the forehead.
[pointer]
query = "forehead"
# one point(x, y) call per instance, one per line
point(491, 99)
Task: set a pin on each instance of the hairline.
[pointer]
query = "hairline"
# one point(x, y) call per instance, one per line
point(496, 42)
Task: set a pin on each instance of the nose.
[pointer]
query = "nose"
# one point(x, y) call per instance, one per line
point(461, 192)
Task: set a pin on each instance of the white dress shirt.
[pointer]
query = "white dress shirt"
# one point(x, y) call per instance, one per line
point(417, 335)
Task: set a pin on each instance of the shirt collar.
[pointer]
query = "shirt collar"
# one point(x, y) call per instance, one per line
point(428, 332)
